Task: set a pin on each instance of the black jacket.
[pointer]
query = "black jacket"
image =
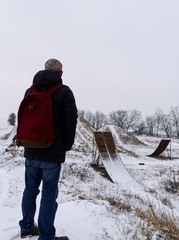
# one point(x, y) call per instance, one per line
point(65, 120)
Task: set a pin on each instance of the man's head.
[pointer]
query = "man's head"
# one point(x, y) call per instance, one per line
point(54, 65)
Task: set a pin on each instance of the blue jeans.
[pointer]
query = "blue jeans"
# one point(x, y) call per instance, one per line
point(35, 173)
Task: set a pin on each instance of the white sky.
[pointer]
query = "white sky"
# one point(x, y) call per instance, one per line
point(117, 54)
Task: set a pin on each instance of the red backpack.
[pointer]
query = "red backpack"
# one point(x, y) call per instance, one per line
point(35, 119)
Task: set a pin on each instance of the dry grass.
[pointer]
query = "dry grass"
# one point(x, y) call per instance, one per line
point(121, 149)
point(165, 223)
point(129, 138)
point(149, 221)
point(172, 184)
point(118, 204)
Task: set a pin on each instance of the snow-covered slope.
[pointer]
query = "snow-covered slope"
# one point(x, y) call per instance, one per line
point(90, 206)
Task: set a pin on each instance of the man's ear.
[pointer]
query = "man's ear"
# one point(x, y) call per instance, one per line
point(61, 73)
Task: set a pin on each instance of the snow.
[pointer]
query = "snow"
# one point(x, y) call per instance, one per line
point(90, 206)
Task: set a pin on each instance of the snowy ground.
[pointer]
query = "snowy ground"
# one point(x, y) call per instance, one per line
point(90, 206)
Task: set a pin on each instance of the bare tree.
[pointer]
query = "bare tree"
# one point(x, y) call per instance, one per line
point(128, 120)
point(156, 124)
point(174, 115)
point(96, 120)
point(158, 117)
point(119, 118)
point(166, 125)
point(140, 128)
point(12, 119)
point(150, 125)
point(99, 120)
point(133, 119)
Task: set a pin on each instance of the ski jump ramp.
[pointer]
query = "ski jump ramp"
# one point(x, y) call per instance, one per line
point(111, 159)
point(161, 148)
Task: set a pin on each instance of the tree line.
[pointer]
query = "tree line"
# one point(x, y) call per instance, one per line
point(158, 124)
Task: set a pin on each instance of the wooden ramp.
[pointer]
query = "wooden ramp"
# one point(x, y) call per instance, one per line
point(161, 148)
point(111, 159)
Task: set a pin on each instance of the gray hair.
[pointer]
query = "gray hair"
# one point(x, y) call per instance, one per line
point(53, 65)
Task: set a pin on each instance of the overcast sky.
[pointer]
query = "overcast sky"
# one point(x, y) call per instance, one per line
point(117, 54)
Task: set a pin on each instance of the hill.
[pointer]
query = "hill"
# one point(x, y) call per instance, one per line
point(92, 207)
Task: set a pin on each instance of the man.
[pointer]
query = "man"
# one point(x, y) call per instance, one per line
point(44, 165)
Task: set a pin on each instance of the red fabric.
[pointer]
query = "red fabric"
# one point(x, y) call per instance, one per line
point(35, 116)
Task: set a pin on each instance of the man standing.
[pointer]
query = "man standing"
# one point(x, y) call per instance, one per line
point(43, 165)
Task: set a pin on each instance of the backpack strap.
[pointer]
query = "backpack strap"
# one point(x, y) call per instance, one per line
point(50, 90)
point(32, 89)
